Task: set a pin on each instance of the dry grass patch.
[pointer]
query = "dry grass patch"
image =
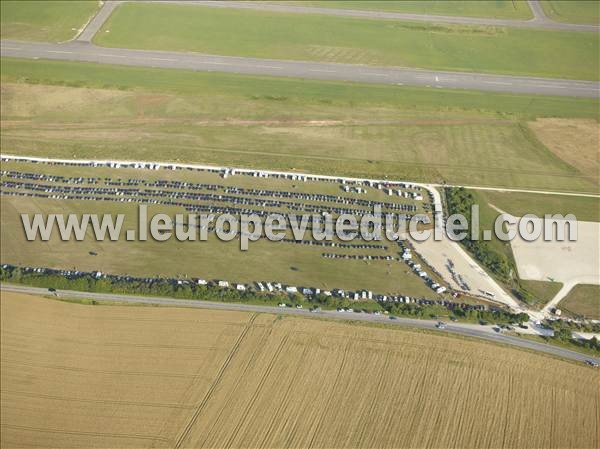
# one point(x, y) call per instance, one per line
point(281, 128)
point(575, 141)
point(583, 300)
point(93, 376)
point(36, 100)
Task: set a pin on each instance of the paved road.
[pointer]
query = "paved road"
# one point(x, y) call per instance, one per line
point(506, 189)
point(566, 288)
point(97, 21)
point(470, 330)
point(539, 21)
point(87, 52)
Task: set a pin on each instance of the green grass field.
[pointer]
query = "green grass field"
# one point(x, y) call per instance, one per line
point(542, 291)
point(501, 9)
point(289, 97)
point(573, 11)
point(321, 127)
point(583, 300)
point(487, 217)
point(52, 21)
point(519, 204)
point(348, 40)
point(300, 265)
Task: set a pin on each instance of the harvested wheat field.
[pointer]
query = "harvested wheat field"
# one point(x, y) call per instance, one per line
point(109, 376)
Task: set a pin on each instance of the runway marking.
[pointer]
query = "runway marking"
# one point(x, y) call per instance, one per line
point(196, 62)
point(104, 55)
point(264, 66)
point(215, 63)
point(501, 83)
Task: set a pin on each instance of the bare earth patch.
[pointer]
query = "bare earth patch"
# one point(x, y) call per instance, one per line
point(33, 100)
point(575, 141)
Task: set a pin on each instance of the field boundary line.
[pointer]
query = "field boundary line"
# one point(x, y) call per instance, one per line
point(258, 390)
point(320, 177)
point(258, 349)
point(96, 401)
point(282, 403)
point(334, 387)
point(214, 384)
point(89, 434)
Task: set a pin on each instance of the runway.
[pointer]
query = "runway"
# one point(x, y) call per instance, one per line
point(82, 51)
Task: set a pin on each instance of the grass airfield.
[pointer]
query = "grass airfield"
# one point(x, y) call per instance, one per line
point(49, 21)
point(572, 11)
point(583, 300)
point(311, 37)
point(315, 127)
point(497, 9)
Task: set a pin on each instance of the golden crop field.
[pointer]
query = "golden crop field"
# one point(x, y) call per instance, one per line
point(109, 376)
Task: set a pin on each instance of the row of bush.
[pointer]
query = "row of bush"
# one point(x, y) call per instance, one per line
point(460, 201)
point(189, 290)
